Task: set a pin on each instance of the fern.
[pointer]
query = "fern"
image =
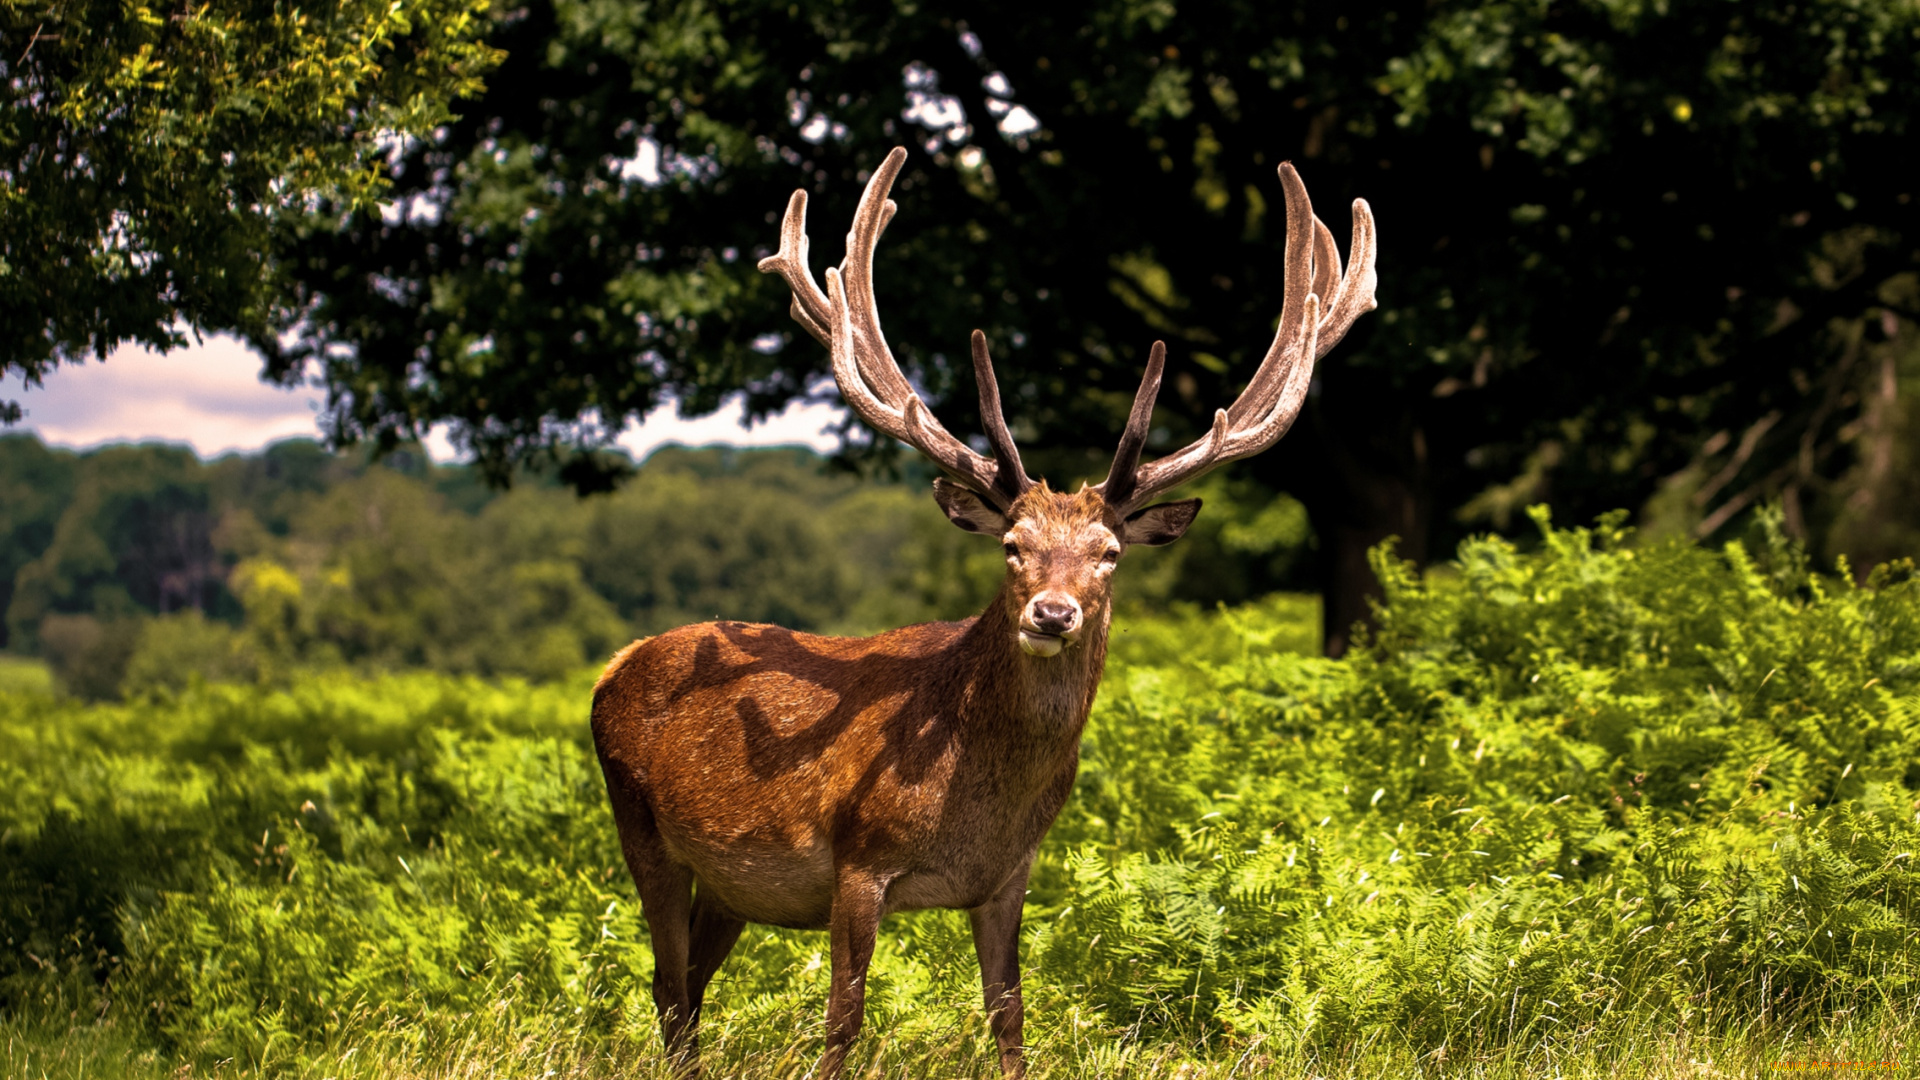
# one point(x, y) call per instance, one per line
point(1558, 790)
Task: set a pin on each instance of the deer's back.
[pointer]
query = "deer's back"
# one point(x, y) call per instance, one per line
point(761, 754)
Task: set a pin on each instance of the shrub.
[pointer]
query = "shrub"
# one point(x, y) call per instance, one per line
point(1557, 792)
point(1590, 778)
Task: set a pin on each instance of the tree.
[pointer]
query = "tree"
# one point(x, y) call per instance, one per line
point(145, 150)
point(1622, 245)
point(1617, 241)
point(135, 535)
point(35, 486)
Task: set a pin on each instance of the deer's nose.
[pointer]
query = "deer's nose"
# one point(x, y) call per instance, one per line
point(1054, 615)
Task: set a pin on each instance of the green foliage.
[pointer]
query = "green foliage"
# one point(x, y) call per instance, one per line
point(1591, 778)
point(147, 150)
point(1248, 542)
point(1558, 797)
point(393, 579)
point(174, 650)
point(35, 484)
point(686, 544)
point(89, 655)
point(143, 568)
point(1617, 239)
point(136, 537)
point(24, 675)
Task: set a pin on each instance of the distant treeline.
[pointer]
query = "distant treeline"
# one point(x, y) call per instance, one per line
point(140, 566)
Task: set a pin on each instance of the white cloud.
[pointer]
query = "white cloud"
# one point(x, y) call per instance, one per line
point(801, 423)
point(210, 397)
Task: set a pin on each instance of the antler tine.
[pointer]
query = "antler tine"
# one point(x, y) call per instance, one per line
point(810, 308)
point(1354, 296)
point(912, 422)
point(1126, 457)
point(1310, 325)
point(1230, 440)
point(1011, 476)
point(1257, 399)
point(875, 210)
point(1326, 260)
point(1247, 442)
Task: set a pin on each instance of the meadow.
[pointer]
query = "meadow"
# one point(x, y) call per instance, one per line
point(1585, 808)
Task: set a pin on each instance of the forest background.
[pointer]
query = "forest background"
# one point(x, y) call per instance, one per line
point(1658, 256)
point(142, 567)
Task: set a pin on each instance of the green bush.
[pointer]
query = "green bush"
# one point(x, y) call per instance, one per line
point(174, 650)
point(1558, 795)
point(88, 655)
point(139, 568)
point(1585, 779)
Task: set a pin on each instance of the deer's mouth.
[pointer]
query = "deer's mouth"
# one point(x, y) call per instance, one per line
point(1039, 643)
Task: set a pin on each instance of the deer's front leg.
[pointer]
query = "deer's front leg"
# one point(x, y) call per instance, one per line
point(996, 940)
point(858, 899)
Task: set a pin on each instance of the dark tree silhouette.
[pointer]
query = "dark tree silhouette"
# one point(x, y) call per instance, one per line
point(1623, 250)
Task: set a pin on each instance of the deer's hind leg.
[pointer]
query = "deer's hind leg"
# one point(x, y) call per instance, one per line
point(713, 932)
point(666, 900)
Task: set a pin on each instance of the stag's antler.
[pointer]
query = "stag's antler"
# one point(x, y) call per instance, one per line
point(845, 319)
point(1320, 304)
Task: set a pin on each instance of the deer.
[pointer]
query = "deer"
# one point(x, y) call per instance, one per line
point(759, 774)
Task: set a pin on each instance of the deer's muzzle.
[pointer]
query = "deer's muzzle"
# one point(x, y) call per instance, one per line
point(1050, 623)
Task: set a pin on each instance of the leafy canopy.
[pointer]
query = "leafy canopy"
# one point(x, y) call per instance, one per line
point(145, 150)
point(1615, 237)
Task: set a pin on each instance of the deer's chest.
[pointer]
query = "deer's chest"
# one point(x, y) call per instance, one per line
point(964, 858)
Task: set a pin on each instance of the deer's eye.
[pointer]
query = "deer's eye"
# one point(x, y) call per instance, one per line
point(1112, 556)
point(1012, 549)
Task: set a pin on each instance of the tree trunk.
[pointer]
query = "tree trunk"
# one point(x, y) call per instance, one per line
point(1379, 507)
point(1362, 484)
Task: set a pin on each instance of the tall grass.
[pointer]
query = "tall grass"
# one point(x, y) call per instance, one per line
point(1587, 810)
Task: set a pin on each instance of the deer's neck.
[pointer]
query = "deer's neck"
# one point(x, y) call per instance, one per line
point(1032, 698)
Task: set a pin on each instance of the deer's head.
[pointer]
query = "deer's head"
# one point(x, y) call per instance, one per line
point(1061, 552)
point(1061, 548)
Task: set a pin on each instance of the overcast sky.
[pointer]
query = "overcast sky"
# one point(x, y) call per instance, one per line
point(210, 397)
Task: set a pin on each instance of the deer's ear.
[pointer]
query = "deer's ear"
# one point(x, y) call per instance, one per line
point(967, 510)
point(1162, 524)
